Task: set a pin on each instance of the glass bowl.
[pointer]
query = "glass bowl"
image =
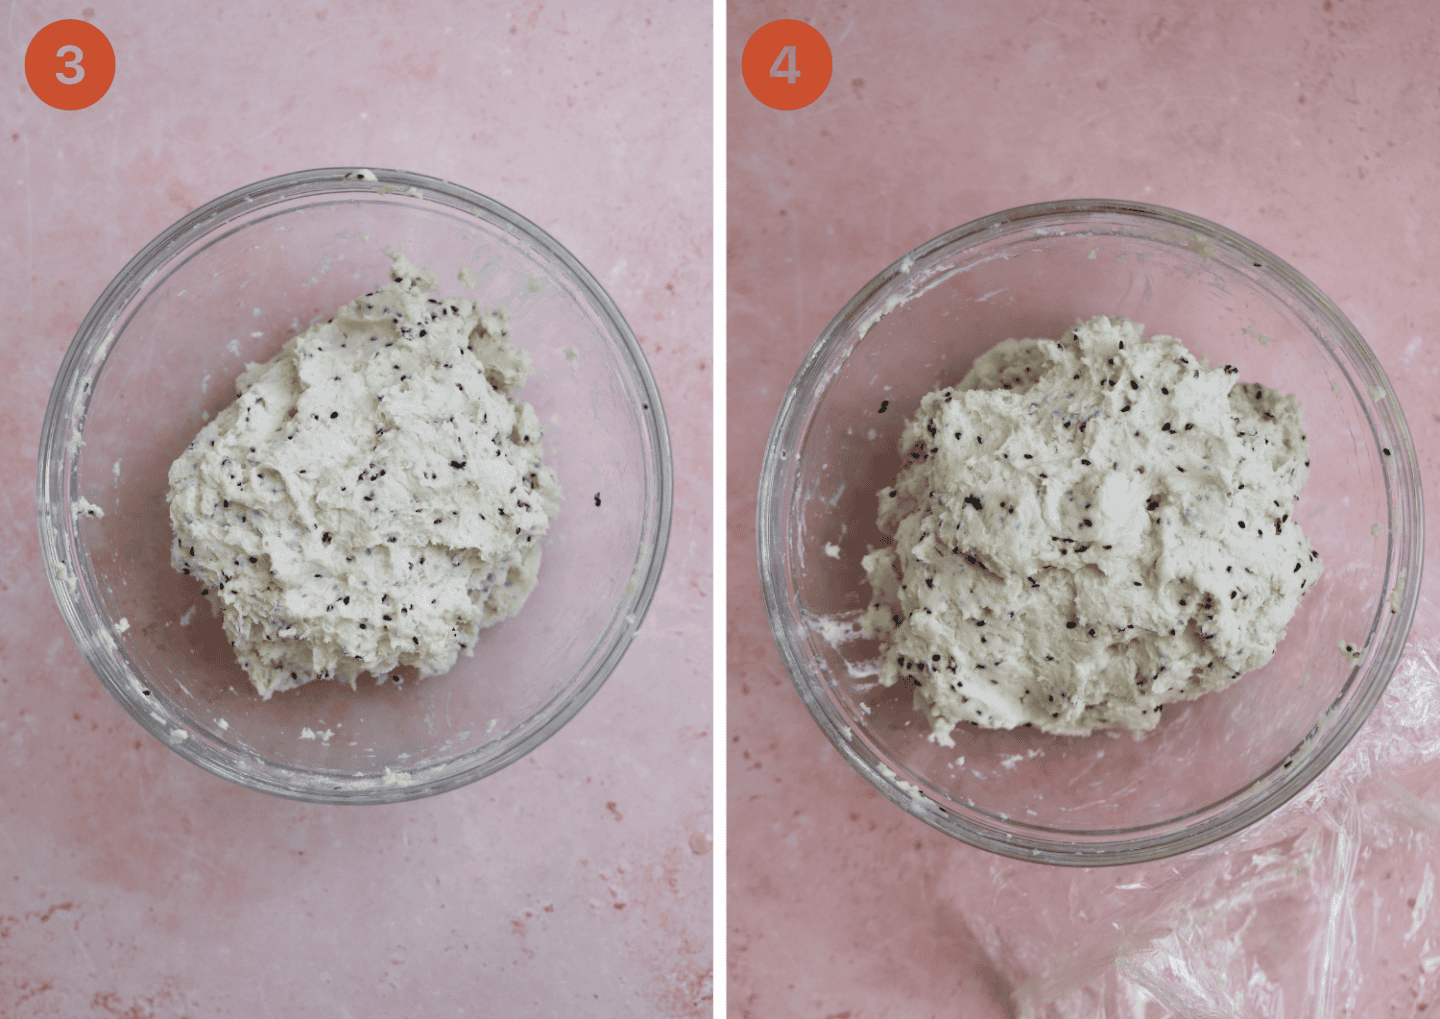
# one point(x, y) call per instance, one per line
point(1213, 765)
point(157, 356)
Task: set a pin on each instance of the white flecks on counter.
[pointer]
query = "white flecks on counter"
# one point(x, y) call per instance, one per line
point(122, 625)
point(832, 550)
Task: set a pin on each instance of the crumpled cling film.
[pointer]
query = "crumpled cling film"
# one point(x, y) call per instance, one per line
point(1325, 909)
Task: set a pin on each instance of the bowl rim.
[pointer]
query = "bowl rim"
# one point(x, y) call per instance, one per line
point(1004, 835)
point(67, 410)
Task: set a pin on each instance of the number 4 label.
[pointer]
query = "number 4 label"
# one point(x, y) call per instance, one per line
point(782, 69)
point(772, 60)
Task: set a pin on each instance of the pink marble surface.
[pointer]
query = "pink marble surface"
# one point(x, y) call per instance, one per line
point(576, 882)
point(1310, 128)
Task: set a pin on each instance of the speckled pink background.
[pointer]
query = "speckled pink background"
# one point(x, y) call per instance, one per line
point(576, 882)
point(1312, 128)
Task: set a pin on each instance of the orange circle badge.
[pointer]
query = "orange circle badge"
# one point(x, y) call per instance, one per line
point(786, 64)
point(70, 64)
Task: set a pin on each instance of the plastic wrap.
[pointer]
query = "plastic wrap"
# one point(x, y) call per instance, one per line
point(1324, 909)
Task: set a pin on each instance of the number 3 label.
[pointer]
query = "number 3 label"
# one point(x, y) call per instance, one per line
point(786, 65)
point(73, 64)
point(69, 64)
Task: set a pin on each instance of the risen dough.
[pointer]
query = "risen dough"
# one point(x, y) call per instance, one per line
point(374, 497)
point(1086, 530)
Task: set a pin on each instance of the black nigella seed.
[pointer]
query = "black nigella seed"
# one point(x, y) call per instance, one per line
point(1385, 450)
point(597, 498)
point(884, 406)
point(252, 559)
point(973, 500)
point(458, 464)
point(1134, 384)
point(334, 414)
point(1092, 633)
point(1242, 523)
point(1070, 625)
point(326, 539)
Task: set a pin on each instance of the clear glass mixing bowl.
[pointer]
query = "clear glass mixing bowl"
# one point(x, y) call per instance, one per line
point(157, 356)
point(1214, 765)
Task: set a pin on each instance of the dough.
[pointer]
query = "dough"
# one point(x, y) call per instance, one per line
point(374, 497)
point(1086, 530)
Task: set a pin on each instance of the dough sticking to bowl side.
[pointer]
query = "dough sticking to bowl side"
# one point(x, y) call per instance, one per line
point(1086, 530)
point(374, 497)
